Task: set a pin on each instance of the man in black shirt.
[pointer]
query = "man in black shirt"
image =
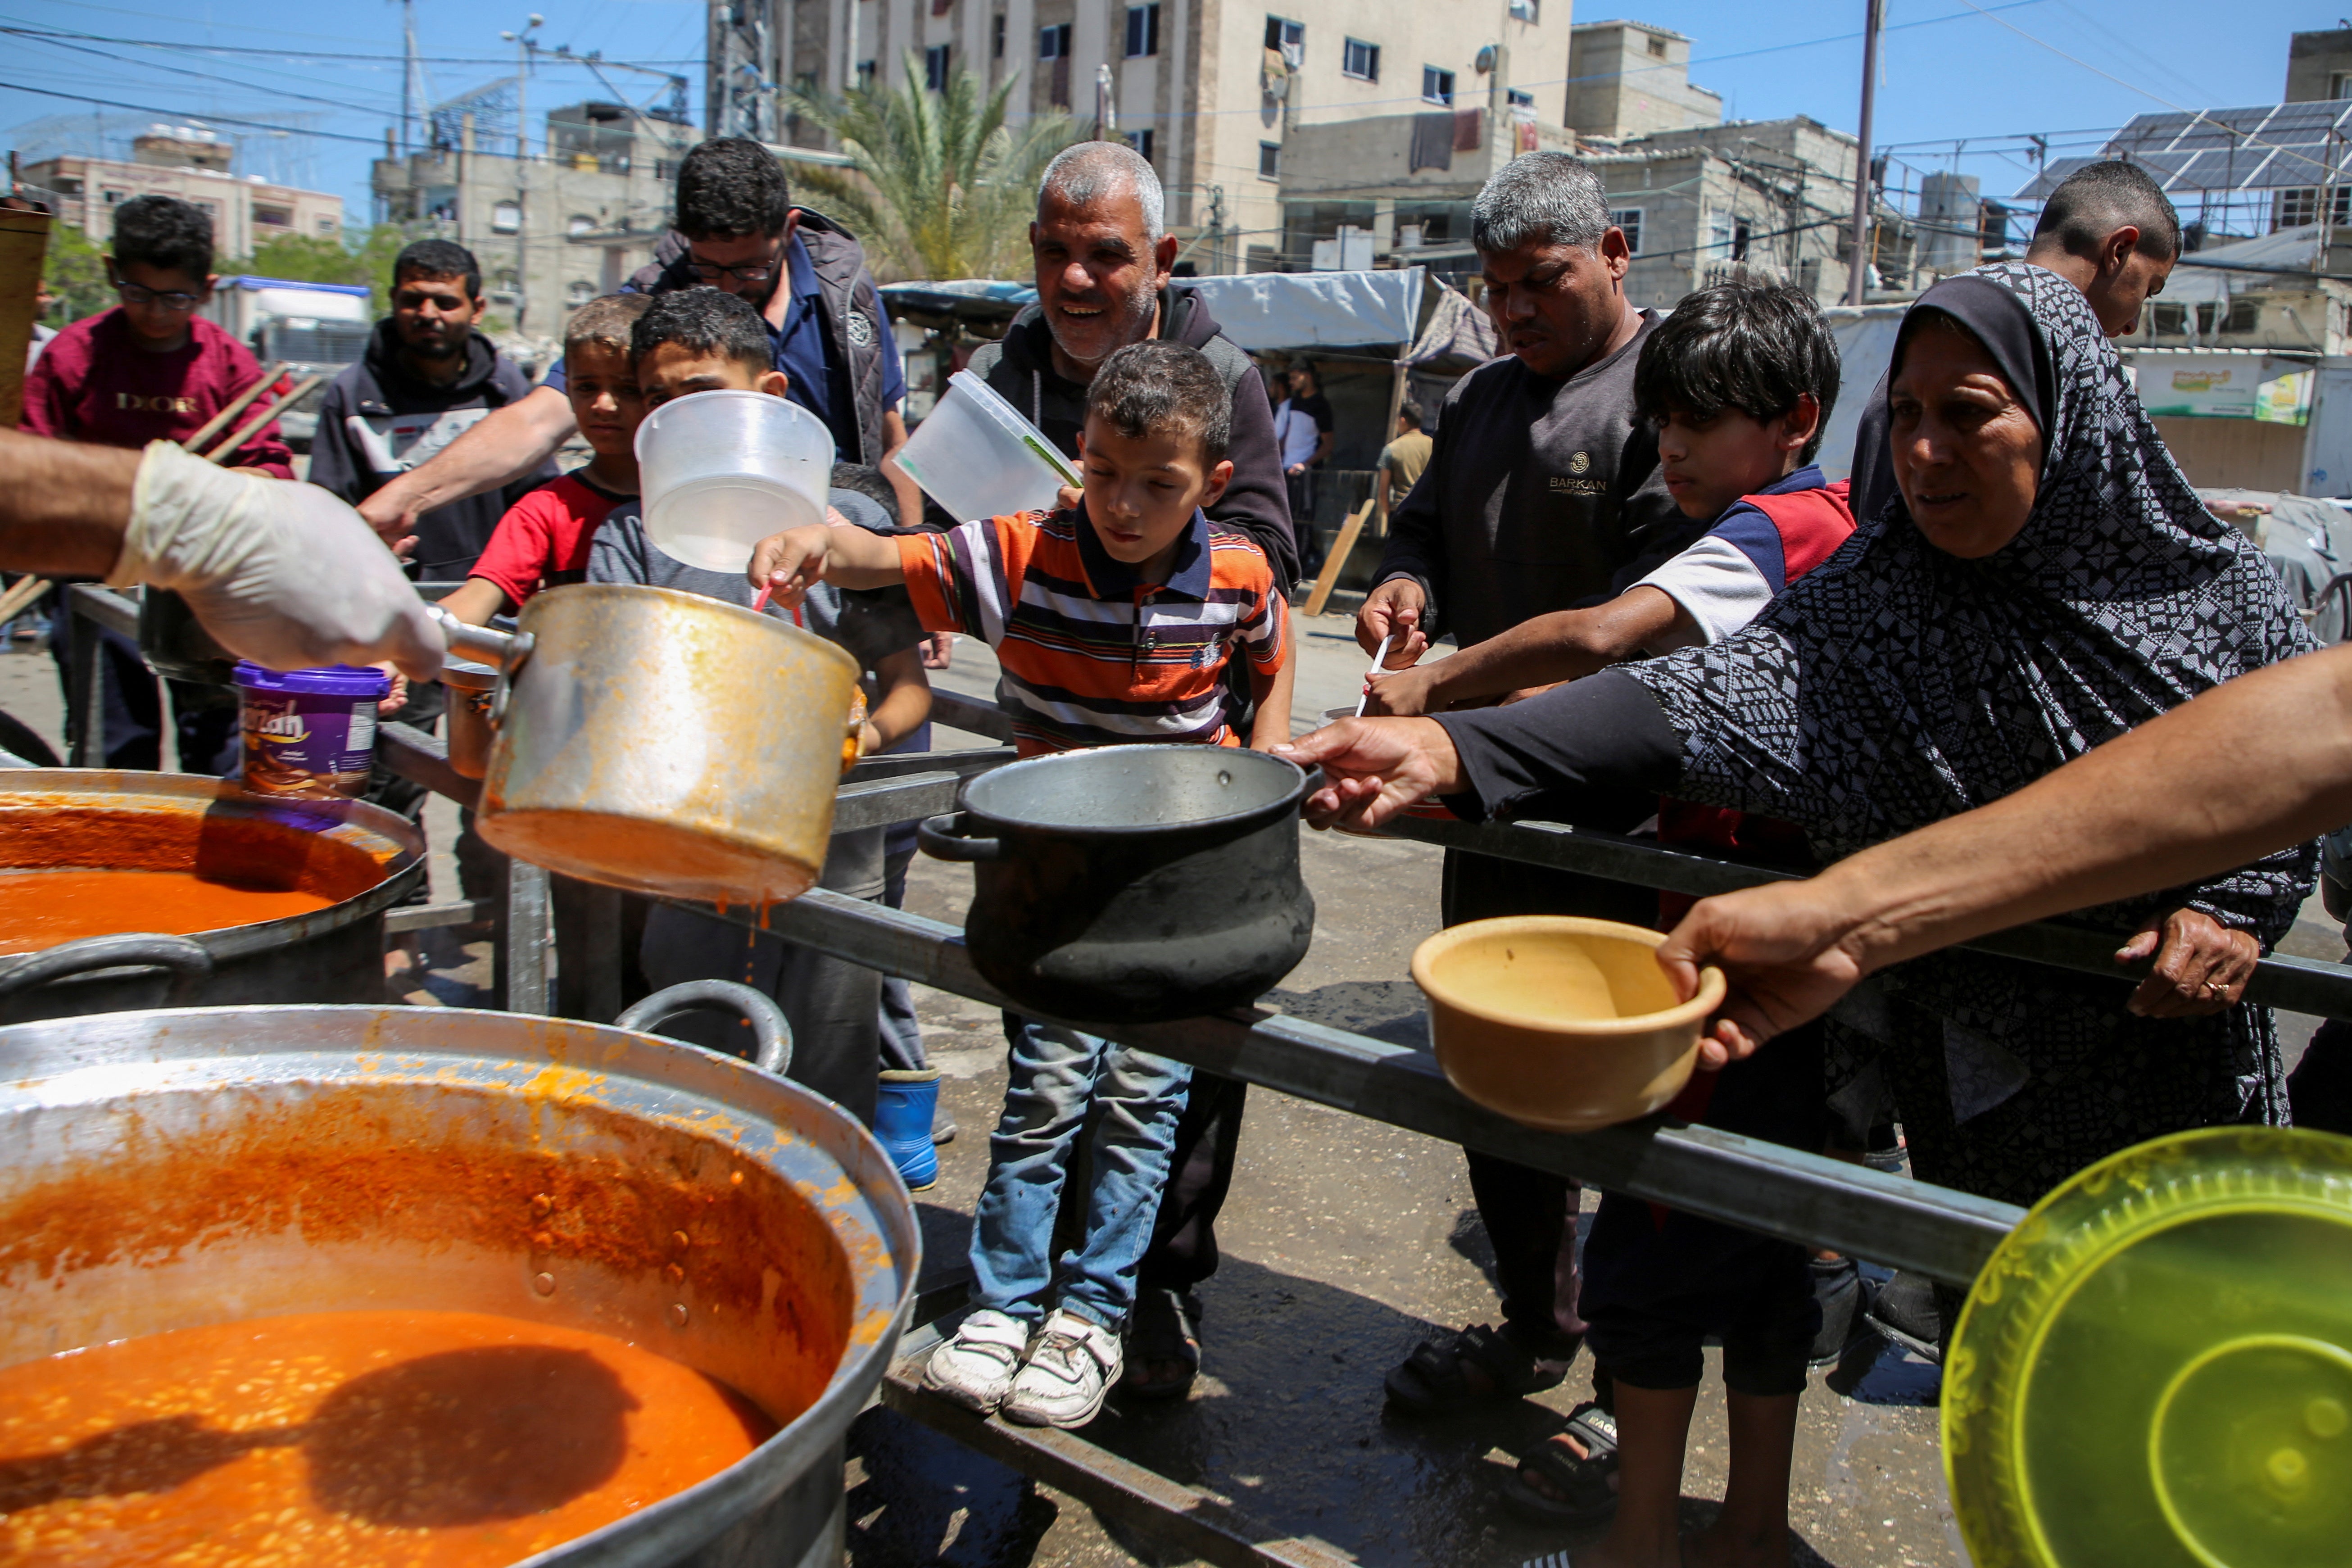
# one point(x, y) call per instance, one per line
point(1542, 493)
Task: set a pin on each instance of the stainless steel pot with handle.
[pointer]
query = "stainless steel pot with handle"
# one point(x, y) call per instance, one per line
point(168, 1170)
point(662, 742)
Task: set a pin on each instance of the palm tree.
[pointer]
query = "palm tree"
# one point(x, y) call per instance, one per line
point(940, 185)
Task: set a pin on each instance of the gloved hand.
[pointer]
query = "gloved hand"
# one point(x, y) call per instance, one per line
point(282, 573)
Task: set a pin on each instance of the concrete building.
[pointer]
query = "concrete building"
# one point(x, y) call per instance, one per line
point(196, 165)
point(2319, 65)
point(1628, 79)
point(556, 228)
point(1241, 108)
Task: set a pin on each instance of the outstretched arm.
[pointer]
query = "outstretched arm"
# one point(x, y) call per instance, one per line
point(2249, 768)
point(1566, 645)
point(504, 445)
point(848, 557)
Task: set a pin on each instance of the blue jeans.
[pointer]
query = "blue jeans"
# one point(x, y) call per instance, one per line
point(1058, 1076)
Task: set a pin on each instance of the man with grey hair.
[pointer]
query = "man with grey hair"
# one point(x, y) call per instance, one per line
point(1104, 258)
point(1104, 268)
point(1541, 494)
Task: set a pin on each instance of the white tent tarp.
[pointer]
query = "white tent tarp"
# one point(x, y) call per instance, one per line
point(1314, 310)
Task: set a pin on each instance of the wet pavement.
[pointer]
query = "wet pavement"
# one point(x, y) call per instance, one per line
point(1345, 1244)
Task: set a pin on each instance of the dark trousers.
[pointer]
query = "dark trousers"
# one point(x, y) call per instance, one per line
point(1302, 523)
point(1183, 1249)
point(834, 1005)
point(130, 709)
point(1530, 1215)
point(2320, 1091)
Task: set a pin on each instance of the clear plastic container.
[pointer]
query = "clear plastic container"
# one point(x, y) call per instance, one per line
point(977, 456)
point(723, 470)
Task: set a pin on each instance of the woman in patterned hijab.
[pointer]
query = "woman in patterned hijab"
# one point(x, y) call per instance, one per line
point(2045, 580)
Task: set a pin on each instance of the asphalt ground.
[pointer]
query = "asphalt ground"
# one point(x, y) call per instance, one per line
point(1345, 1244)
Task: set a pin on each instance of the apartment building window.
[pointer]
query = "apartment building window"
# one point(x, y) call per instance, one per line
point(1269, 160)
point(1658, 47)
point(506, 217)
point(578, 292)
point(1524, 10)
point(114, 197)
point(1361, 60)
point(1054, 42)
point(1519, 99)
point(1436, 85)
point(1141, 142)
point(866, 72)
point(1742, 232)
point(2244, 316)
point(1288, 36)
point(326, 225)
point(935, 67)
point(580, 224)
point(1142, 30)
point(1628, 220)
point(2298, 207)
point(996, 36)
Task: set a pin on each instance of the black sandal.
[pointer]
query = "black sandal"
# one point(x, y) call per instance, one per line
point(1431, 1382)
point(1164, 1327)
point(1576, 1491)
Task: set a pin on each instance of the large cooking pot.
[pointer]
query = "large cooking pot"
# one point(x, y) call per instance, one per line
point(363, 857)
point(1132, 884)
point(662, 742)
point(163, 1171)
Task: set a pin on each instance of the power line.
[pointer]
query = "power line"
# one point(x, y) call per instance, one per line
point(342, 103)
point(12, 25)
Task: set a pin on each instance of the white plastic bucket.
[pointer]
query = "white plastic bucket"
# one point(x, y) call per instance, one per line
point(977, 456)
point(723, 470)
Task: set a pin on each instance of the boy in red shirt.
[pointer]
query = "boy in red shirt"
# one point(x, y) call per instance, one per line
point(542, 542)
point(151, 369)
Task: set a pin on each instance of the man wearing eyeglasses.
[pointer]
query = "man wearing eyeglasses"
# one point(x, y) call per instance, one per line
point(737, 230)
point(151, 369)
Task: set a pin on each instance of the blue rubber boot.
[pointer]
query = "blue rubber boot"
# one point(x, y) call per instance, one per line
point(903, 1108)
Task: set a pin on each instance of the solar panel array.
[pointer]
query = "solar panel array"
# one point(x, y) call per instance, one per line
point(2270, 147)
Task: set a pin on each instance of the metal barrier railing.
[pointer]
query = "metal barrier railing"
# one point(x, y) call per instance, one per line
point(1777, 1191)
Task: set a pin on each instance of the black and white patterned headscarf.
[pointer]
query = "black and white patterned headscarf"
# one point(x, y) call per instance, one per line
point(1896, 685)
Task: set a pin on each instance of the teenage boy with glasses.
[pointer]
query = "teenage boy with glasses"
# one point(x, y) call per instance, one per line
point(151, 369)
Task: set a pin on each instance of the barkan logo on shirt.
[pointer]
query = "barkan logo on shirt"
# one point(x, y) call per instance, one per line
point(162, 402)
point(1576, 482)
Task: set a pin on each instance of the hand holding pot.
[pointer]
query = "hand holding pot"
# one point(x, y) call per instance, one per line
point(1375, 768)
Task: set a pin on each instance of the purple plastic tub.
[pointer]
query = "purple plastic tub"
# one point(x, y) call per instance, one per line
point(310, 731)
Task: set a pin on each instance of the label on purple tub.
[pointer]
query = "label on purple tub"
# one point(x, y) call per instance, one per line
point(310, 731)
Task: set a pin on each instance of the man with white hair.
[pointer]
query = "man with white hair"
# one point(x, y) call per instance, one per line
point(1542, 493)
point(1104, 266)
point(1104, 258)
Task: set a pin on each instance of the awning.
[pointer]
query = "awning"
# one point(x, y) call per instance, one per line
point(1315, 310)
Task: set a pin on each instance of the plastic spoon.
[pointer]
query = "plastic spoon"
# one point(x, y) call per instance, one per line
point(1379, 654)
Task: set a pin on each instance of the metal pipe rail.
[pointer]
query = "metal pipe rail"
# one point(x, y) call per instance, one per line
point(1780, 1191)
point(2297, 985)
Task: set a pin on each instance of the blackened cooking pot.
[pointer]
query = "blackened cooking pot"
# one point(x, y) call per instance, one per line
point(1132, 884)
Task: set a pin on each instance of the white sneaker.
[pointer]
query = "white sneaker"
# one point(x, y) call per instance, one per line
point(1074, 1364)
point(975, 1368)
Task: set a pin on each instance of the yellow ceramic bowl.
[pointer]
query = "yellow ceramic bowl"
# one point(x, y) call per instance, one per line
point(1559, 1022)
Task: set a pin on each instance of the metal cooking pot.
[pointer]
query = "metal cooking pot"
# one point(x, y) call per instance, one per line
point(363, 856)
point(662, 742)
point(1130, 884)
point(163, 1171)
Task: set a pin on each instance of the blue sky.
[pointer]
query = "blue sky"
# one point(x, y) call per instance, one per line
point(1952, 68)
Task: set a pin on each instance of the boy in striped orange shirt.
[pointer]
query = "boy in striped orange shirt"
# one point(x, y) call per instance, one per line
point(1112, 622)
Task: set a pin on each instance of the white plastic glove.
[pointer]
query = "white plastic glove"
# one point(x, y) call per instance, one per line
point(280, 573)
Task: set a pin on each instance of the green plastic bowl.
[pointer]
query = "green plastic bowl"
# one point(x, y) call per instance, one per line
point(2155, 1369)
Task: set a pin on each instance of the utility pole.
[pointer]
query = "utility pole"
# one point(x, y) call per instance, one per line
point(1875, 12)
point(524, 43)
